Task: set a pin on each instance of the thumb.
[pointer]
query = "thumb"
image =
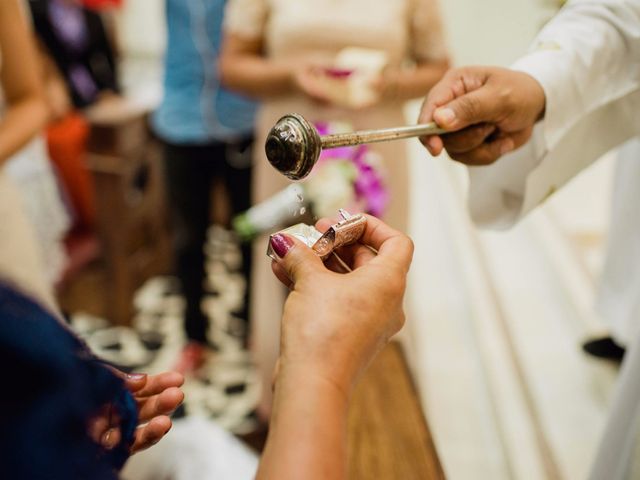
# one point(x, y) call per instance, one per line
point(471, 108)
point(294, 257)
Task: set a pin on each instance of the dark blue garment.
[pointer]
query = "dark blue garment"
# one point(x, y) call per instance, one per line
point(51, 387)
point(196, 109)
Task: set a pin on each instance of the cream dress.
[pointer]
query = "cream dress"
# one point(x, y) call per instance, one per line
point(32, 174)
point(33, 219)
point(21, 260)
point(313, 32)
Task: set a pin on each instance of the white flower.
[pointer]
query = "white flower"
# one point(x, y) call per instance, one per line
point(330, 187)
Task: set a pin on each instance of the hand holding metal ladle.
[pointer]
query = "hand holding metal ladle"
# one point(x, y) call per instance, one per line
point(293, 145)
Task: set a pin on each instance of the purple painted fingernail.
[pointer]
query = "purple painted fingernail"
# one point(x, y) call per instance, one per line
point(281, 244)
point(136, 377)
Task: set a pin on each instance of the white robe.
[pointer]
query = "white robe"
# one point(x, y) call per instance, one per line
point(619, 290)
point(587, 60)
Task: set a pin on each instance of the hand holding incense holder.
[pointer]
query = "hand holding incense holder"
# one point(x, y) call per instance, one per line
point(346, 232)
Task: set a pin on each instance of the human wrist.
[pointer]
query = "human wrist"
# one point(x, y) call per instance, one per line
point(537, 96)
point(534, 69)
point(390, 84)
point(301, 393)
point(313, 378)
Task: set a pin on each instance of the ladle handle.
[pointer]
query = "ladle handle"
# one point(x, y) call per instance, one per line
point(382, 135)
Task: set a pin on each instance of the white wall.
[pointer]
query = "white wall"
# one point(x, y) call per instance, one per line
point(141, 27)
point(479, 31)
point(492, 31)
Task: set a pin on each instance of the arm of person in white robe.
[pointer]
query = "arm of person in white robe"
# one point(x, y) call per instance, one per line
point(587, 61)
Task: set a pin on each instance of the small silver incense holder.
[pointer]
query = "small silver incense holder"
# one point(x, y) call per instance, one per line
point(346, 232)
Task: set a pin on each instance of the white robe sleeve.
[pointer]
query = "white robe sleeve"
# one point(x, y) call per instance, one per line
point(587, 60)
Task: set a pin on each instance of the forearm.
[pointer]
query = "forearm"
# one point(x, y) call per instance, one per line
point(20, 124)
point(407, 84)
point(256, 76)
point(26, 111)
point(308, 430)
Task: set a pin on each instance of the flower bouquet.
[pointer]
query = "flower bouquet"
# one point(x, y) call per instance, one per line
point(345, 177)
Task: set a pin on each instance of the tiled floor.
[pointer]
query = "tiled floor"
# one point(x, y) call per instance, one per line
point(226, 388)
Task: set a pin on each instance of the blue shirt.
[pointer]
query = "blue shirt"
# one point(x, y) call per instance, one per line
point(196, 109)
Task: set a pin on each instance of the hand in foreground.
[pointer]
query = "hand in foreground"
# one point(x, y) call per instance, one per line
point(334, 324)
point(156, 397)
point(491, 110)
point(308, 81)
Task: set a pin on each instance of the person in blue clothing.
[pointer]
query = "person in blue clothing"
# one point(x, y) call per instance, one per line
point(208, 133)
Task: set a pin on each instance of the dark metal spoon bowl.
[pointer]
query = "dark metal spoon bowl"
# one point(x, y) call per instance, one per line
point(293, 145)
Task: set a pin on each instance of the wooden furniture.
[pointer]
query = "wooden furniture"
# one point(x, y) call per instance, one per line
point(388, 435)
point(125, 162)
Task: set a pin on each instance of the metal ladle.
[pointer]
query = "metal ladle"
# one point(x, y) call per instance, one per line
point(293, 145)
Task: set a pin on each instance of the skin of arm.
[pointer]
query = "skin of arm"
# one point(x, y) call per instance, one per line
point(332, 328)
point(55, 89)
point(243, 68)
point(26, 112)
point(407, 84)
point(308, 429)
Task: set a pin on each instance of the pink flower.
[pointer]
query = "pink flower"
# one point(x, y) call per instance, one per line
point(369, 187)
point(338, 72)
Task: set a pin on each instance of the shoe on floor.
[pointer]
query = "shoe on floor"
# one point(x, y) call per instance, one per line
point(192, 357)
point(604, 347)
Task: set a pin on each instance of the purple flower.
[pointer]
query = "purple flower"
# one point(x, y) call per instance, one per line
point(369, 187)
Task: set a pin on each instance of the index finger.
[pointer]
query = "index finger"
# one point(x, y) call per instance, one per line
point(158, 383)
point(439, 95)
